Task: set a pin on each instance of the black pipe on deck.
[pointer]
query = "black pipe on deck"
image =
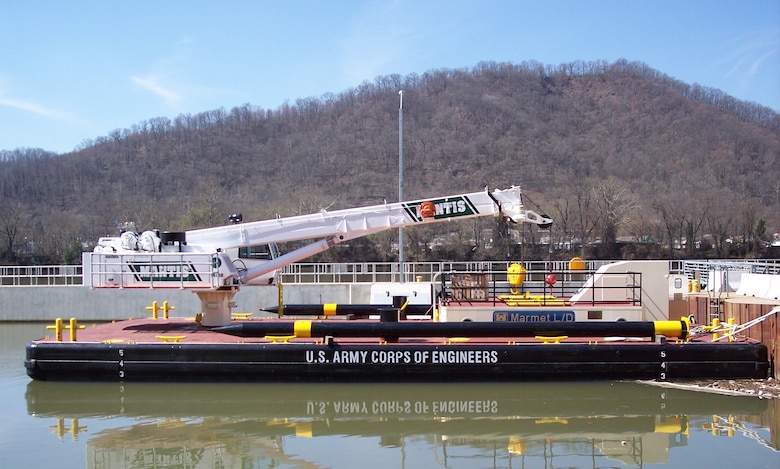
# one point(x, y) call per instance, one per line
point(343, 309)
point(455, 329)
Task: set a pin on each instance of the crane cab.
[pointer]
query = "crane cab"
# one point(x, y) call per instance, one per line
point(247, 257)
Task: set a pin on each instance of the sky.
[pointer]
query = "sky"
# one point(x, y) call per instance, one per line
point(73, 71)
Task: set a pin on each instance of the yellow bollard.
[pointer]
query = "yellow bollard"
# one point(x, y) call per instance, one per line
point(60, 427)
point(167, 308)
point(154, 308)
point(57, 327)
point(732, 322)
point(73, 327)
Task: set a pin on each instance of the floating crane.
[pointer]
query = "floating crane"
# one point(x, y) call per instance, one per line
point(203, 260)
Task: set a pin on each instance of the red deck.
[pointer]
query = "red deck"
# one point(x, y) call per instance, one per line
point(181, 330)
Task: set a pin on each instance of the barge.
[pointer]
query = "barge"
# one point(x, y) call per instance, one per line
point(274, 350)
point(217, 345)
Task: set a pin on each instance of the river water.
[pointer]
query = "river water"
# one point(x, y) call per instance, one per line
point(248, 426)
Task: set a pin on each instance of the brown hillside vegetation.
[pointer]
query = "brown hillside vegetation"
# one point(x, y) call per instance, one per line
point(614, 152)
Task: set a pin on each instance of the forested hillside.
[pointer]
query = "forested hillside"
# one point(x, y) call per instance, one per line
point(628, 162)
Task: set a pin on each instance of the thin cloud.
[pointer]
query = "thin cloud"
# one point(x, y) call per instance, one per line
point(33, 108)
point(152, 84)
point(749, 53)
point(157, 80)
point(759, 62)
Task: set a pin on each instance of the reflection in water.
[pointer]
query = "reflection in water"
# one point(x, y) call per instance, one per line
point(304, 425)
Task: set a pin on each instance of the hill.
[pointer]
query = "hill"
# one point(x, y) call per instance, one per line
point(612, 151)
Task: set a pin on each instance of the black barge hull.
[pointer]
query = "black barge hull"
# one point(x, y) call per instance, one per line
point(408, 361)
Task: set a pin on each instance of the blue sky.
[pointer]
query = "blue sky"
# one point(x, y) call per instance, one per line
point(72, 71)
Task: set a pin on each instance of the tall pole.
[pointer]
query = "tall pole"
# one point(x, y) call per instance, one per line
point(401, 181)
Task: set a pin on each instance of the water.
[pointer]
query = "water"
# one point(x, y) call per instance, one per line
point(523, 425)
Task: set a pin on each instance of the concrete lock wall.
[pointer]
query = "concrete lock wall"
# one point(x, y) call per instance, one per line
point(86, 304)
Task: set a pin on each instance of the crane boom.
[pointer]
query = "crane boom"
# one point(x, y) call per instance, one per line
point(199, 259)
point(356, 222)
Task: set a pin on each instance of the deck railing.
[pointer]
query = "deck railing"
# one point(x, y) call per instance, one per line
point(495, 288)
point(41, 275)
point(371, 272)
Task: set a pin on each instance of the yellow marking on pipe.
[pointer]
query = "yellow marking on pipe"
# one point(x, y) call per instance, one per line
point(329, 309)
point(670, 329)
point(302, 329)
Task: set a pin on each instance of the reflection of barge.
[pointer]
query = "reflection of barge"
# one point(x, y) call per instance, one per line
point(282, 350)
point(501, 401)
point(245, 422)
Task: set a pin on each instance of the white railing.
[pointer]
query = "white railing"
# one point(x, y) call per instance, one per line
point(154, 270)
point(40, 275)
point(370, 272)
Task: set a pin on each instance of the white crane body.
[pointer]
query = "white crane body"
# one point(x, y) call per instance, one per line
point(199, 259)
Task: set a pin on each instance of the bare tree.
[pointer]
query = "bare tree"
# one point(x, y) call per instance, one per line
point(13, 217)
point(587, 217)
point(614, 202)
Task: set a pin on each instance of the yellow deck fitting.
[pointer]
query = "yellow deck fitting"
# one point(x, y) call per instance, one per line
point(113, 341)
point(552, 339)
point(165, 308)
point(60, 429)
point(454, 340)
point(154, 309)
point(527, 299)
point(241, 315)
point(58, 327)
point(280, 338)
point(171, 338)
point(73, 328)
point(551, 420)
